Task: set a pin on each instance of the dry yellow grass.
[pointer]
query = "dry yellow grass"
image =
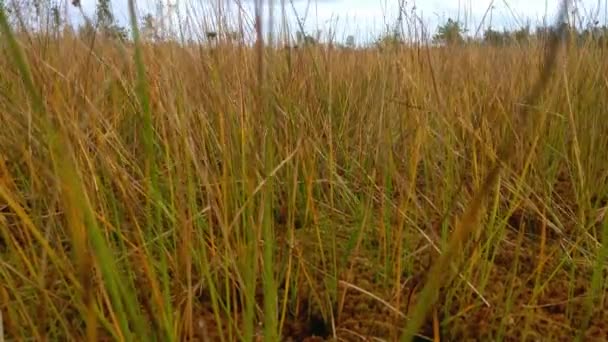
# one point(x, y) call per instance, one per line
point(373, 153)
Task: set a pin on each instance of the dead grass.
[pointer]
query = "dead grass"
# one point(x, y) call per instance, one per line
point(371, 155)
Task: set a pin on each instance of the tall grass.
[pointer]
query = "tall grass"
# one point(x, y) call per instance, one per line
point(172, 191)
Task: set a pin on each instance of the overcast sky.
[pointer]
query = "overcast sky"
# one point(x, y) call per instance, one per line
point(368, 18)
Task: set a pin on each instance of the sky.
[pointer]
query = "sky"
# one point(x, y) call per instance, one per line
point(367, 19)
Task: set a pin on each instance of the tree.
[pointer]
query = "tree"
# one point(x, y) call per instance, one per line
point(497, 38)
point(389, 40)
point(86, 31)
point(594, 34)
point(106, 23)
point(104, 15)
point(8, 11)
point(449, 33)
point(546, 33)
point(350, 42)
point(149, 30)
point(211, 35)
point(522, 35)
point(56, 15)
point(305, 39)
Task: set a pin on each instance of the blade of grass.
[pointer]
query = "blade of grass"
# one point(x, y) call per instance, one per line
point(469, 219)
point(81, 217)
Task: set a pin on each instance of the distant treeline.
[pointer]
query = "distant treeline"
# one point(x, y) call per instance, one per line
point(452, 33)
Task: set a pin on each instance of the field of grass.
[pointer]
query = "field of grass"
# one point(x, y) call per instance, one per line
point(161, 192)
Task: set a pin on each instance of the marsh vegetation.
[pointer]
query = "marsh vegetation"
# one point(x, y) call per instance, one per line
point(152, 189)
